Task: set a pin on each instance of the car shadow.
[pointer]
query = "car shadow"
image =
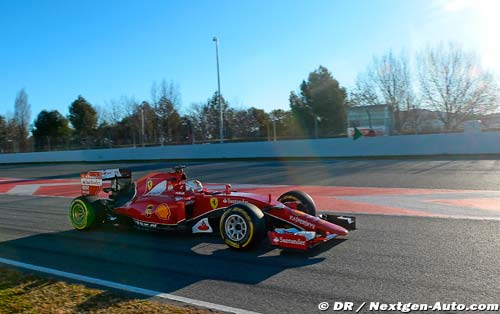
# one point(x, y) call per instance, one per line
point(159, 261)
point(102, 301)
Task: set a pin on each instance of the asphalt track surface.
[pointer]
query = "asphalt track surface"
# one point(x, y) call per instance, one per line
point(388, 259)
point(424, 173)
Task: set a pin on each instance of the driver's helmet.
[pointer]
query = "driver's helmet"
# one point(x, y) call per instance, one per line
point(194, 186)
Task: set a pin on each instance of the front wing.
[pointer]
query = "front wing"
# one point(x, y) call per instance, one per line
point(293, 238)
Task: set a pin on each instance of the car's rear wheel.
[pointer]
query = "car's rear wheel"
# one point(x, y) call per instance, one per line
point(242, 226)
point(305, 203)
point(83, 215)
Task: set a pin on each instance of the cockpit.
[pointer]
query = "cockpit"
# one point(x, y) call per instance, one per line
point(194, 186)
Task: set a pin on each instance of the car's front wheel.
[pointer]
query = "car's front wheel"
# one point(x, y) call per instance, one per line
point(304, 201)
point(242, 226)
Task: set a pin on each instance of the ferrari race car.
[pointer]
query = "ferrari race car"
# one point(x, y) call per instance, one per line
point(168, 200)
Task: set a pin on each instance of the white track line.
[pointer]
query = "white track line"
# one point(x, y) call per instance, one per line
point(119, 286)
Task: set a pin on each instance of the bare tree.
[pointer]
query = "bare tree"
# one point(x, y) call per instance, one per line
point(387, 80)
point(129, 106)
point(114, 110)
point(170, 90)
point(103, 114)
point(22, 114)
point(454, 84)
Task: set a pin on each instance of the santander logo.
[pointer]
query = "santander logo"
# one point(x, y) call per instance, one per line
point(289, 241)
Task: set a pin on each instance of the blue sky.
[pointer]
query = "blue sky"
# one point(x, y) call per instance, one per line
point(104, 50)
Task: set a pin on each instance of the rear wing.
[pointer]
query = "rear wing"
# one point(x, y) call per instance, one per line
point(92, 181)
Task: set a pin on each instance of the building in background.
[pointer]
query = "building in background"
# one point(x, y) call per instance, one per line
point(418, 121)
point(491, 121)
point(379, 118)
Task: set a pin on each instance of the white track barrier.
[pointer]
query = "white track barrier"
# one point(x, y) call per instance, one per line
point(408, 145)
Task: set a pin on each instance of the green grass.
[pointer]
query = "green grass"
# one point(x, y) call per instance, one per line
point(26, 293)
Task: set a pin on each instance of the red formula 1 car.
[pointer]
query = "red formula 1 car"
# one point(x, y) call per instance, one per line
point(167, 200)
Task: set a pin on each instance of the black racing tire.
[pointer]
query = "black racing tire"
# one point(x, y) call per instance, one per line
point(84, 215)
point(242, 226)
point(305, 202)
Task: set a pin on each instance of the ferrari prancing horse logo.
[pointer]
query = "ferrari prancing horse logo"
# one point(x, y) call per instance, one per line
point(149, 184)
point(214, 202)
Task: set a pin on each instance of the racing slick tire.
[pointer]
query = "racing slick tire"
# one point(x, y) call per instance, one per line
point(305, 202)
point(84, 215)
point(242, 226)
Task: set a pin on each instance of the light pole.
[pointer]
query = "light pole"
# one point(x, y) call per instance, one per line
point(142, 125)
point(316, 120)
point(191, 130)
point(369, 118)
point(221, 123)
point(274, 126)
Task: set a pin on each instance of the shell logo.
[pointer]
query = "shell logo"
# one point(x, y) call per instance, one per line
point(163, 211)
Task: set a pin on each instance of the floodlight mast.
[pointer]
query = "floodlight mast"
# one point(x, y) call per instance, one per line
point(221, 117)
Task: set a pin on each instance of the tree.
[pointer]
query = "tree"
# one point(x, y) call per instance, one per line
point(387, 81)
point(204, 118)
point(131, 125)
point(453, 83)
point(105, 134)
point(9, 132)
point(149, 121)
point(3, 134)
point(320, 105)
point(83, 117)
point(168, 120)
point(50, 128)
point(261, 122)
point(22, 113)
point(114, 110)
point(286, 124)
point(248, 123)
point(196, 121)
